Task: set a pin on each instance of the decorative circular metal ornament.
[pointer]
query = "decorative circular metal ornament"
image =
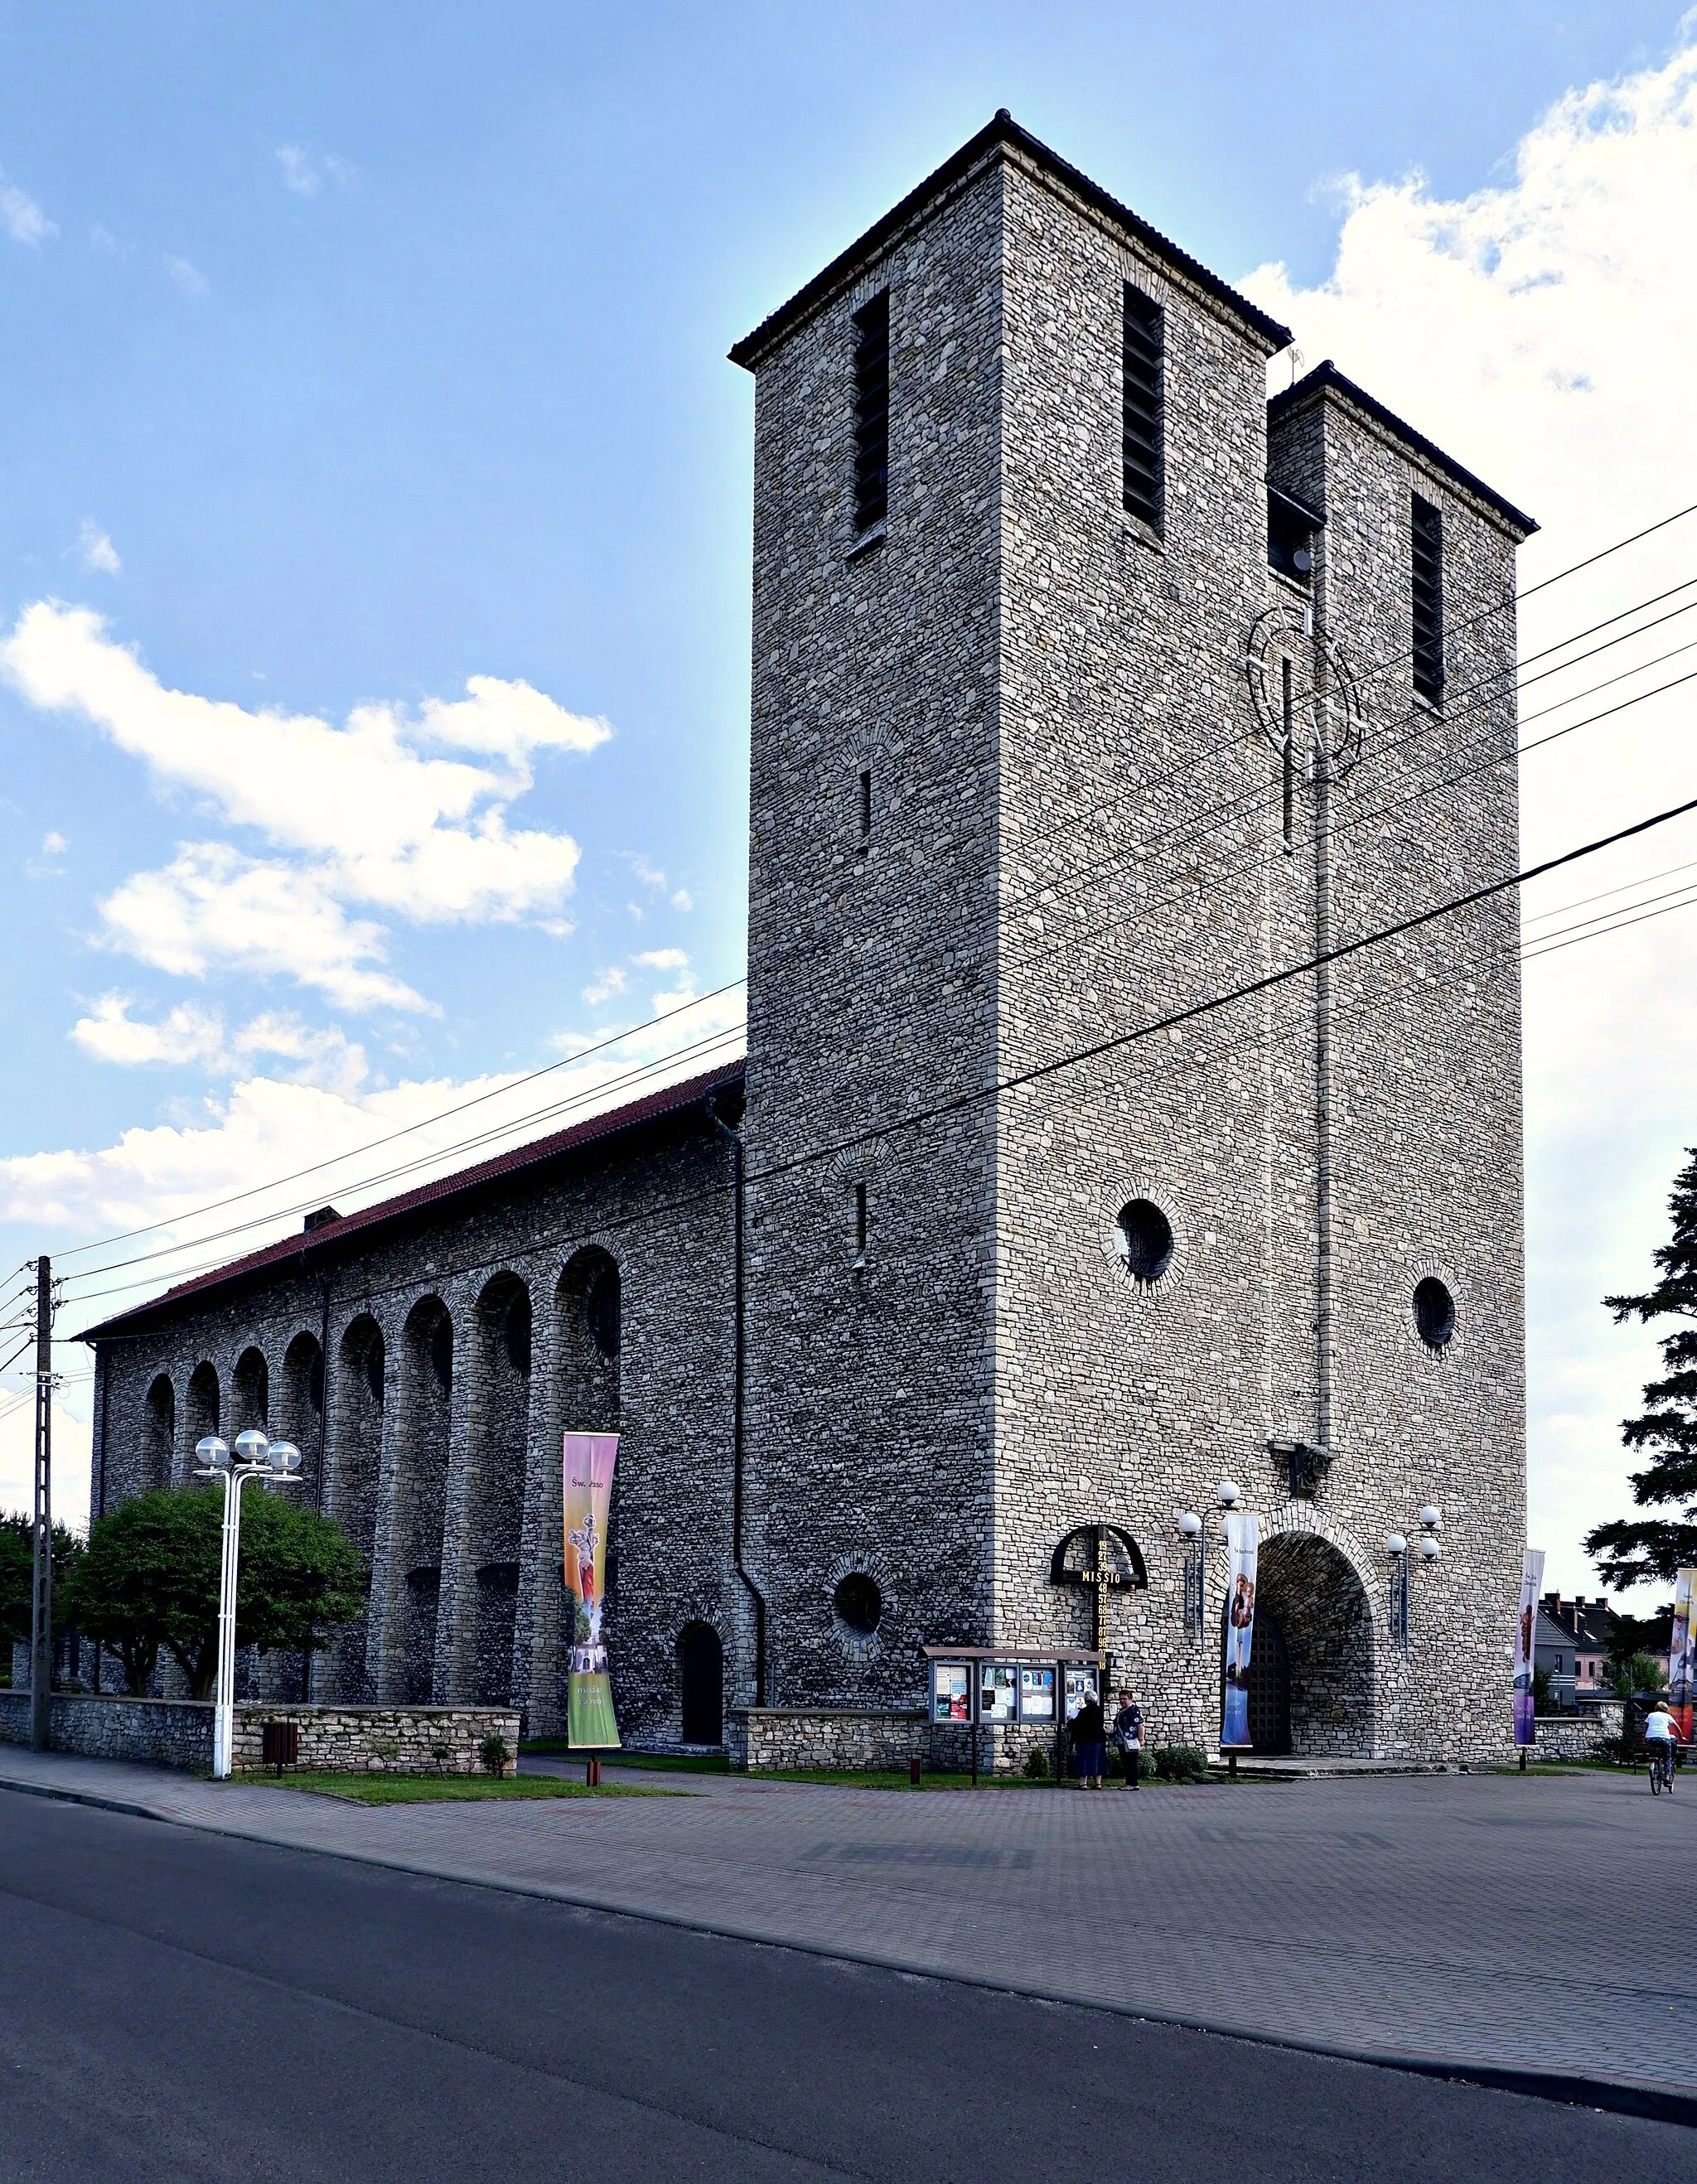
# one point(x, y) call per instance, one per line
point(1324, 710)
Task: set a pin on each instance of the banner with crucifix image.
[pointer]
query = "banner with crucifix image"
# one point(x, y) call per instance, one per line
point(1242, 1543)
point(589, 1719)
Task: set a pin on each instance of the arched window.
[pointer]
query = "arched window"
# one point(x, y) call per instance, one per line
point(158, 1435)
point(499, 1445)
point(252, 1391)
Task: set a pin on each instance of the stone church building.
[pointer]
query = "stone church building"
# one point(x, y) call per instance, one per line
point(1095, 697)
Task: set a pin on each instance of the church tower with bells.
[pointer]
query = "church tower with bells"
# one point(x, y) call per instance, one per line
point(1098, 700)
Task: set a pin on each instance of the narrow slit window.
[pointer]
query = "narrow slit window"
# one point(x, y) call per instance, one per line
point(1428, 601)
point(865, 803)
point(1141, 398)
point(1288, 699)
point(860, 1225)
point(872, 412)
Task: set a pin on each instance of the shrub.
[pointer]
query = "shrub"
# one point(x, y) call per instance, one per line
point(495, 1754)
point(1181, 1763)
point(1036, 1768)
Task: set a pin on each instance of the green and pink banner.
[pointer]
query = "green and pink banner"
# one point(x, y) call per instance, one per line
point(590, 1721)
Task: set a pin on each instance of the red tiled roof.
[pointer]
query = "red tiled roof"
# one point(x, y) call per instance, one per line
point(673, 1100)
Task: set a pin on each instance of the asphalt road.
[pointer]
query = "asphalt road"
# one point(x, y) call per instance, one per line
point(179, 2006)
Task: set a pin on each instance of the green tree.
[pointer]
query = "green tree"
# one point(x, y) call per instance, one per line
point(18, 1575)
point(149, 1581)
point(1631, 1550)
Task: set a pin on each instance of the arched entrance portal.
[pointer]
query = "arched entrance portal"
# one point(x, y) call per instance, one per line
point(701, 1659)
point(1311, 1668)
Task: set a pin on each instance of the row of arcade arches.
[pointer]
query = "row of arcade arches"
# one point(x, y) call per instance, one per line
point(384, 1451)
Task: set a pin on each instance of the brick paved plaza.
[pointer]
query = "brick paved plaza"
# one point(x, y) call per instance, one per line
point(1488, 1920)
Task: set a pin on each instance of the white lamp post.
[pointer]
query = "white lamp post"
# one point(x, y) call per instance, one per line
point(256, 1457)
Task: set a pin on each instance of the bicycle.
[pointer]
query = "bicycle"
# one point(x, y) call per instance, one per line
point(1661, 1769)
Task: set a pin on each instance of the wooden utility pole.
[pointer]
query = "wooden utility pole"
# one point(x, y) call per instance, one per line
point(41, 1598)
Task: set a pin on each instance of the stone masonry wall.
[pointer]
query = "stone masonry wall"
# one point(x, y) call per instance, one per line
point(380, 1739)
point(442, 1456)
point(153, 1732)
point(871, 971)
point(334, 1739)
point(764, 1738)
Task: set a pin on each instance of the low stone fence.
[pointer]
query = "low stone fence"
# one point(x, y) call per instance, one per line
point(334, 1739)
point(156, 1732)
point(1576, 1735)
point(764, 1738)
point(380, 1739)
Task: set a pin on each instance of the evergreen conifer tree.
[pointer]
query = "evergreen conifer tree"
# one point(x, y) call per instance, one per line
point(1631, 1550)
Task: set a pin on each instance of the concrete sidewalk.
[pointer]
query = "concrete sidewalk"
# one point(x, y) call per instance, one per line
point(1484, 1923)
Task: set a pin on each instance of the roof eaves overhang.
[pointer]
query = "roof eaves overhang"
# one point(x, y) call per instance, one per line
point(1326, 381)
point(318, 1248)
point(1000, 138)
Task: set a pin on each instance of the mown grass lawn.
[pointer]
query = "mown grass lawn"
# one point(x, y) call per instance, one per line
point(446, 1789)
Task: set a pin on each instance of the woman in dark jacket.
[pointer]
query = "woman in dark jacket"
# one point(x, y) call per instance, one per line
point(1090, 1744)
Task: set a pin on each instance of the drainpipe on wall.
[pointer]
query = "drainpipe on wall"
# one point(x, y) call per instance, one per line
point(1325, 1087)
point(755, 1595)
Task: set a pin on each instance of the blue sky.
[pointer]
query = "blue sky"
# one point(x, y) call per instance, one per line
point(349, 353)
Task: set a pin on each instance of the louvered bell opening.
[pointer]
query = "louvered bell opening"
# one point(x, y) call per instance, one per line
point(872, 412)
point(1428, 601)
point(1141, 396)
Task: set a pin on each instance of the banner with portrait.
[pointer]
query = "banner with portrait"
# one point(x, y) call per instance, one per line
point(1681, 1652)
point(1242, 1544)
point(1526, 1647)
point(589, 1487)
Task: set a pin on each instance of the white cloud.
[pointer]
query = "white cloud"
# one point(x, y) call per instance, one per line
point(305, 173)
point(189, 279)
point(604, 985)
point(103, 239)
point(1544, 330)
point(212, 911)
point(191, 1035)
point(650, 875)
point(72, 1438)
point(664, 958)
point(265, 1127)
point(22, 218)
point(53, 843)
point(96, 549)
point(110, 1033)
point(682, 899)
point(364, 816)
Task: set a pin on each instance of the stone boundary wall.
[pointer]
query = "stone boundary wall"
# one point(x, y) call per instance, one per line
point(1576, 1736)
point(764, 1738)
point(380, 1739)
point(155, 1732)
point(334, 1739)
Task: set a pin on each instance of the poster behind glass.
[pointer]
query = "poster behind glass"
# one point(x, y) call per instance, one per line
point(1083, 1682)
point(951, 1690)
point(998, 1691)
point(1036, 1695)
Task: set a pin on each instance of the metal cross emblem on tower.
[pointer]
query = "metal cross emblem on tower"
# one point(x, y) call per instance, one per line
point(1101, 1575)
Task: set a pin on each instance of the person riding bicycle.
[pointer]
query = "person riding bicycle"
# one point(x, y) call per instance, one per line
point(1661, 1735)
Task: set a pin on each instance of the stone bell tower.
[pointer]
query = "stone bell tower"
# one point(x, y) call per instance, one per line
point(1075, 699)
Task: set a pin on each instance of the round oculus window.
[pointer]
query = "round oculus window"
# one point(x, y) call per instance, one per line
point(858, 1603)
point(1144, 1237)
point(1434, 1312)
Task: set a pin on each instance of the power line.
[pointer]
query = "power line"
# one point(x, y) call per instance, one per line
point(1040, 1072)
point(998, 910)
point(1144, 907)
